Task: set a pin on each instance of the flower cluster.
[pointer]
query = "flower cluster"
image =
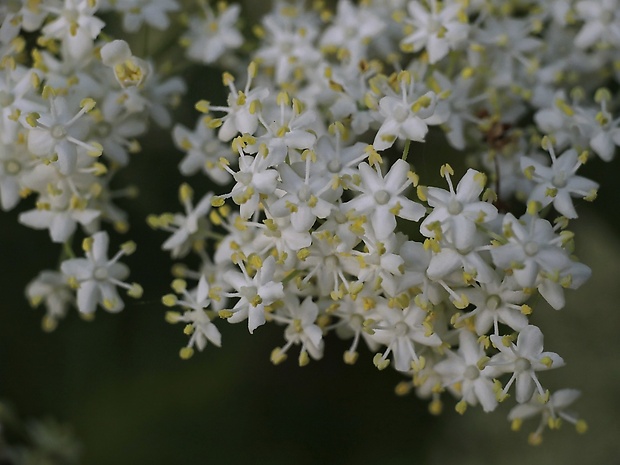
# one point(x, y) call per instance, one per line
point(73, 107)
point(316, 219)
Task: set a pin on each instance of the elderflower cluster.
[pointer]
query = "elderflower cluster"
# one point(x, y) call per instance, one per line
point(315, 218)
point(72, 108)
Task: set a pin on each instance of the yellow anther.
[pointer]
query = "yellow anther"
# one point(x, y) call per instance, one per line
point(380, 362)
point(403, 388)
point(49, 323)
point(350, 357)
point(435, 407)
point(87, 244)
point(304, 359)
point(186, 353)
point(32, 119)
point(526, 309)
point(135, 291)
point(277, 356)
point(172, 317)
point(533, 207)
point(179, 285)
point(283, 99)
point(109, 304)
point(445, 170)
point(169, 300)
point(602, 95)
point(202, 106)
point(547, 361)
point(515, 425)
point(461, 407)
point(225, 314)
point(96, 149)
point(581, 426)
point(88, 104)
point(185, 193)
point(535, 439)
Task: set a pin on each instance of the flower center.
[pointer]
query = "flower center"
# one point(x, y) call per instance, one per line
point(340, 217)
point(400, 114)
point(522, 364)
point(210, 146)
point(334, 166)
point(493, 302)
point(357, 322)
point(6, 98)
point(243, 178)
point(531, 248)
point(455, 207)
point(471, 372)
point(559, 180)
point(12, 167)
point(104, 129)
point(100, 273)
point(382, 197)
point(331, 262)
point(401, 329)
point(248, 292)
point(304, 193)
point(58, 131)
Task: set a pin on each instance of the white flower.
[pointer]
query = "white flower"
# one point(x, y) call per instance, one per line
point(558, 183)
point(352, 29)
point(439, 30)
point(382, 197)
point(523, 360)
point(468, 366)
point(496, 302)
point(532, 247)
point(52, 289)
point(187, 228)
point(601, 23)
point(75, 25)
point(97, 277)
point(288, 46)
point(15, 163)
point(209, 38)
point(199, 322)
point(152, 12)
point(301, 329)
point(457, 213)
point(203, 151)
point(242, 112)
point(254, 179)
point(407, 116)
point(302, 199)
point(405, 332)
point(129, 70)
point(61, 132)
point(551, 412)
point(254, 294)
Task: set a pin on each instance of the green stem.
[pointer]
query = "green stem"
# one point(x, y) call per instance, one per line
point(406, 150)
